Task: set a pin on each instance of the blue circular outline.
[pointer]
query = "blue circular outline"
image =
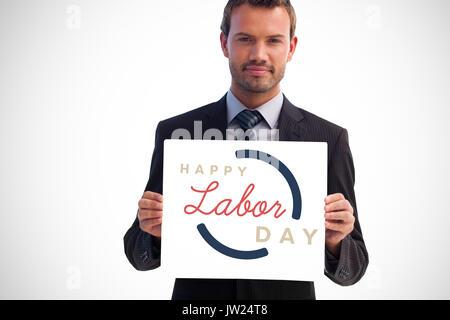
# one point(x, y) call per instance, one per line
point(230, 252)
point(296, 208)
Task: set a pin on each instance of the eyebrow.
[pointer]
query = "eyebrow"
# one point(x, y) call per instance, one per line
point(239, 34)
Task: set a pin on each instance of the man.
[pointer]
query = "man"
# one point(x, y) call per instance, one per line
point(258, 38)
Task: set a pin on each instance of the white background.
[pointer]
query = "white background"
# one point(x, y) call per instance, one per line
point(84, 83)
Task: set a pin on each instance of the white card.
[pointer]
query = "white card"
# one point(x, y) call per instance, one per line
point(244, 209)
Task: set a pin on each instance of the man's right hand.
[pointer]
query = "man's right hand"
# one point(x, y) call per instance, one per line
point(150, 213)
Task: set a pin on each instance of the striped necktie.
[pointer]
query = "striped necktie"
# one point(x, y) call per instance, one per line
point(249, 118)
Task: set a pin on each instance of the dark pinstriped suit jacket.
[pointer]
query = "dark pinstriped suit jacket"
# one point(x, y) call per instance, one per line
point(295, 124)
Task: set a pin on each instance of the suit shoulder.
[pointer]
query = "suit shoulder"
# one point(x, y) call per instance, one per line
point(320, 124)
point(316, 120)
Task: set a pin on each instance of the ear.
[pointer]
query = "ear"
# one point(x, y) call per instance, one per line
point(223, 43)
point(292, 47)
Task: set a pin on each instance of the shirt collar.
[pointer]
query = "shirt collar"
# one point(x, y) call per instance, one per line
point(269, 110)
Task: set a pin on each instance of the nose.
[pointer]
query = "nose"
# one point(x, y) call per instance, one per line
point(258, 52)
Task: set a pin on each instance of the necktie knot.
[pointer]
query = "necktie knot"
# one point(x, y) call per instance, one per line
point(247, 119)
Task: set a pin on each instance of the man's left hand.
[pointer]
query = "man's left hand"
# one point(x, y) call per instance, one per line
point(339, 221)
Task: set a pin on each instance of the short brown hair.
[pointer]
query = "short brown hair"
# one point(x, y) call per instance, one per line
point(226, 21)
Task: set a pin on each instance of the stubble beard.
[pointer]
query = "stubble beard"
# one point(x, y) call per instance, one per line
point(256, 84)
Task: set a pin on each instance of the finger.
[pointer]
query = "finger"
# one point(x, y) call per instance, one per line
point(152, 196)
point(150, 204)
point(345, 216)
point(344, 228)
point(149, 214)
point(336, 226)
point(150, 223)
point(334, 197)
point(340, 205)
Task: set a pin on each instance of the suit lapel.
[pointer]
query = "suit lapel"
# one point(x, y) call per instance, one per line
point(216, 116)
point(290, 122)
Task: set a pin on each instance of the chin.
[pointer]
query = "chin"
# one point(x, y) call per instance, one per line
point(261, 88)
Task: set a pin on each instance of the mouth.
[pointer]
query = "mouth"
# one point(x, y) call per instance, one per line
point(257, 71)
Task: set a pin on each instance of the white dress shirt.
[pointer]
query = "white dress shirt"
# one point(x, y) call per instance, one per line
point(267, 128)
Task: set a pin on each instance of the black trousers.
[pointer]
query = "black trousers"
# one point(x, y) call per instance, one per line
point(237, 289)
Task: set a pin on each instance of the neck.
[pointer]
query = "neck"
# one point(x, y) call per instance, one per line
point(253, 100)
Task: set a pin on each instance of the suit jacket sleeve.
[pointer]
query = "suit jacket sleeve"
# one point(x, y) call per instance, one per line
point(351, 265)
point(141, 248)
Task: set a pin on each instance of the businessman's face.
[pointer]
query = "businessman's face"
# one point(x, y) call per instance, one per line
point(258, 47)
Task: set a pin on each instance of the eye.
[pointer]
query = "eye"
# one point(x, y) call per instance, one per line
point(244, 39)
point(274, 40)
